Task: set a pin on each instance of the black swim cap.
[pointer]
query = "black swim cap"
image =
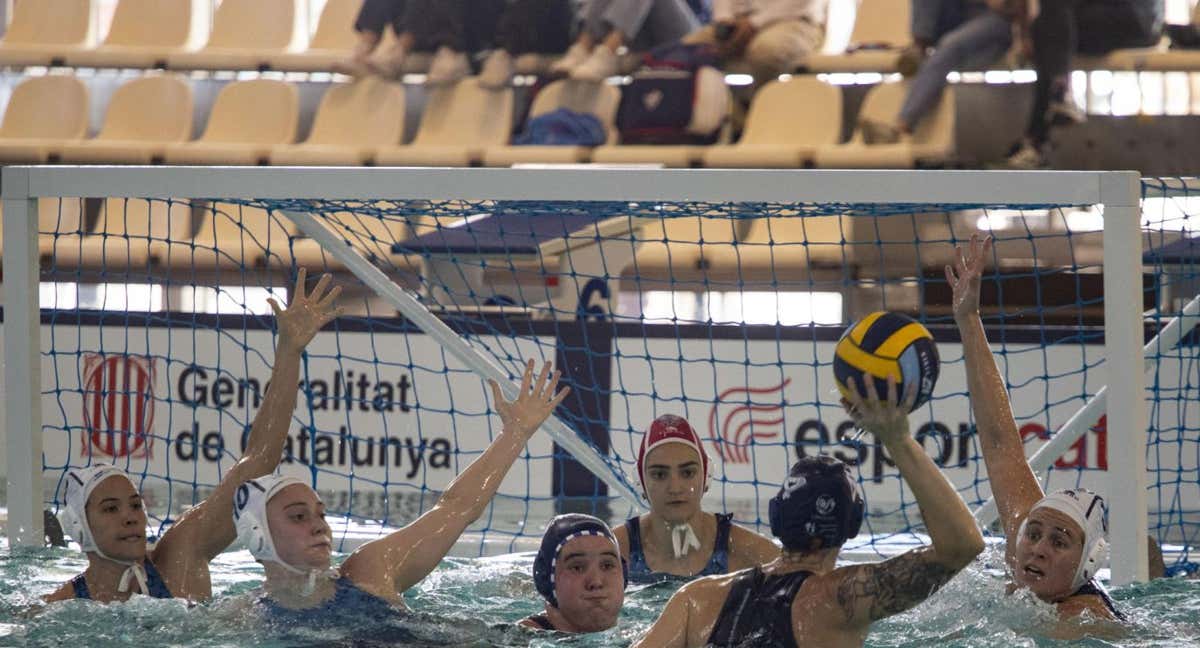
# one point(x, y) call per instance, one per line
point(561, 530)
point(819, 506)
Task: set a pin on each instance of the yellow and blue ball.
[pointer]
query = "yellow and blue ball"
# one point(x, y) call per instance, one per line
point(886, 344)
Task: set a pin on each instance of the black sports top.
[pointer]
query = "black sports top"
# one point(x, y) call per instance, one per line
point(758, 611)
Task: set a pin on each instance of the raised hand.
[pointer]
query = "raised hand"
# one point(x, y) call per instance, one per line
point(535, 402)
point(306, 314)
point(886, 419)
point(966, 275)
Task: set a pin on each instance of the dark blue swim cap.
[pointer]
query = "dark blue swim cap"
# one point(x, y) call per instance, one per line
point(559, 532)
point(819, 506)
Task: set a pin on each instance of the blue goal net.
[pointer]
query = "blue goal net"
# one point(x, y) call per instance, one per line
point(157, 345)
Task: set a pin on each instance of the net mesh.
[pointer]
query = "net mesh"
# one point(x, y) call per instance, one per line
point(157, 344)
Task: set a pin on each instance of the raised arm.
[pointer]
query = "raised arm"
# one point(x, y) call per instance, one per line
point(207, 529)
point(867, 593)
point(398, 561)
point(1013, 483)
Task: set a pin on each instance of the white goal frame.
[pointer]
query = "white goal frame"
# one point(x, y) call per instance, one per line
point(1119, 192)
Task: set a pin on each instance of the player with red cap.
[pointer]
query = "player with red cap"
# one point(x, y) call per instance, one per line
point(677, 539)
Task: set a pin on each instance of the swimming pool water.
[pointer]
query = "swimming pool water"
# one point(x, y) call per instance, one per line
point(472, 602)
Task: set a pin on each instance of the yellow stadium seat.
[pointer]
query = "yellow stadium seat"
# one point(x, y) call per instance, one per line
point(248, 118)
point(458, 123)
point(881, 30)
point(245, 35)
point(229, 236)
point(369, 235)
point(804, 251)
point(145, 32)
point(931, 144)
point(599, 99)
point(332, 42)
point(43, 114)
point(670, 156)
point(352, 120)
point(675, 253)
point(59, 227)
point(129, 234)
point(144, 116)
point(42, 32)
point(787, 123)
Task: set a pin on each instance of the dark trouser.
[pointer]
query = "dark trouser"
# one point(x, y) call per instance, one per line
point(535, 27)
point(463, 25)
point(376, 15)
point(1065, 27)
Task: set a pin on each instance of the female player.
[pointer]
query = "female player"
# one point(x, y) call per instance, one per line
point(1055, 542)
point(282, 522)
point(104, 511)
point(677, 539)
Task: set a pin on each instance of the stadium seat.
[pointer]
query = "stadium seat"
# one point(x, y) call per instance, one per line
point(144, 33)
point(43, 114)
point(881, 30)
point(332, 42)
point(675, 253)
point(371, 236)
point(127, 235)
point(229, 236)
point(43, 31)
point(458, 123)
point(245, 35)
point(352, 120)
point(676, 157)
point(144, 116)
point(788, 121)
point(932, 144)
point(60, 225)
point(599, 99)
point(785, 251)
point(248, 118)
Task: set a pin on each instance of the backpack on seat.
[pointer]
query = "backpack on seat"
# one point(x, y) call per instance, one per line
point(677, 97)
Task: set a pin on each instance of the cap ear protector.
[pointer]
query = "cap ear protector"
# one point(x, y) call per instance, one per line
point(250, 515)
point(561, 530)
point(819, 501)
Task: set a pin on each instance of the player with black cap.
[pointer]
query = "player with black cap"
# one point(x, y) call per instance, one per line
point(802, 598)
point(580, 573)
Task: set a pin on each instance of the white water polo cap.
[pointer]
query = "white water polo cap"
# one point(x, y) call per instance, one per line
point(1088, 510)
point(80, 482)
point(250, 516)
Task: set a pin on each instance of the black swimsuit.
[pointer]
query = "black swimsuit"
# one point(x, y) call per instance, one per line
point(758, 611)
point(541, 621)
point(1093, 588)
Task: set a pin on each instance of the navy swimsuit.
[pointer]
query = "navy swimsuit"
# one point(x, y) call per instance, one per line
point(758, 611)
point(154, 582)
point(1093, 588)
point(639, 571)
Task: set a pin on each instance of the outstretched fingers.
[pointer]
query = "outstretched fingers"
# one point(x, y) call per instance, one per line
point(298, 294)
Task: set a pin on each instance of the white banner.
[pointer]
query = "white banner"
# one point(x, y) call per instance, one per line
point(175, 404)
point(761, 404)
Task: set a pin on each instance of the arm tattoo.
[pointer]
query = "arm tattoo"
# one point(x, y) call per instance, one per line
point(892, 586)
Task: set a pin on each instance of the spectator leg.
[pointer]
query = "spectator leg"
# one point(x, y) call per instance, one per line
point(780, 46)
point(979, 41)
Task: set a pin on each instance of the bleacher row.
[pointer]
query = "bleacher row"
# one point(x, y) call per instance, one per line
point(792, 123)
point(117, 239)
point(271, 35)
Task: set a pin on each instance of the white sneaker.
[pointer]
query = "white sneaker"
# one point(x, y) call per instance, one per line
point(877, 132)
point(497, 70)
point(448, 67)
point(574, 57)
point(1065, 113)
point(602, 64)
point(1026, 157)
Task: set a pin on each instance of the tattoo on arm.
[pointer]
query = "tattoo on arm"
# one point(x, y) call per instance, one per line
point(892, 586)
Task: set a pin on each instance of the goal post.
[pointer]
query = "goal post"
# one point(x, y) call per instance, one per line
point(307, 196)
